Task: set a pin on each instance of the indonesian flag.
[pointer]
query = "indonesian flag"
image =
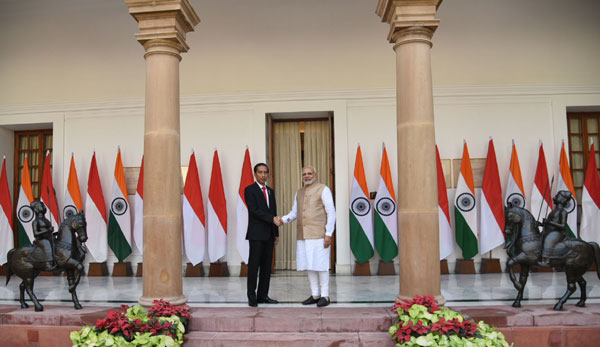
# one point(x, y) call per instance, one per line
point(95, 215)
point(565, 182)
point(590, 201)
point(217, 213)
point(48, 195)
point(119, 219)
point(242, 209)
point(361, 214)
point(465, 211)
point(492, 208)
point(385, 226)
point(138, 223)
point(541, 203)
point(6, 233)
point(446, 236)
point(194, 220)
point(73, 203)
point(25, 214)
point(515, 194)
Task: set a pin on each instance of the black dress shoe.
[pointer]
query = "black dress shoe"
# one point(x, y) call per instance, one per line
point(252, 303)
point(267, 300)
point(323, 301)
point(311, 300)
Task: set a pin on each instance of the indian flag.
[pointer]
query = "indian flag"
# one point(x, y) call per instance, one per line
point(446, 236)
point(25, 214)
point(48, 195)
point(590, 201)
point(119, 219)
point(194, 219)
point(565, 182)
point(361, 214)
point(73, 202)
point(515, 194)
point(247, 178)
point(95, 215)
point(217, 213)
point(138, 222)
point(492, 208)
point(465, 211)
point(541, 202)
point(6, 233)
point(386, 220)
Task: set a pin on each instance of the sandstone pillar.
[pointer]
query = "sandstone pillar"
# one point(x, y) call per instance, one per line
point(163, 26)
point(412, 25)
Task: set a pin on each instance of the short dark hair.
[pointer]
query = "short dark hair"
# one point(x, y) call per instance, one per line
point(259, 165)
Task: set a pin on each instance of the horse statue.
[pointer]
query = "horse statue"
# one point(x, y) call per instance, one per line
point(69, 255)
point(525, 243)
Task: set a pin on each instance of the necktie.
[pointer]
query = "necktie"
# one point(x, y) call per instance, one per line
point(264, 189)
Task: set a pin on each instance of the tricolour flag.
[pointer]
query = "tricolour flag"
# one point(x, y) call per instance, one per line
point(119, 219)
point(565, 182)
point(217, 213)
point(25, 214)
point(72, 203)
point(194, 220)
point(385, 226)
point(361, 214)
point(541, 201)
point(6, 233)
point(590, 201)
point(446, 236)
point(465, 208)
point(492, 208)
point(48, 195)
point(95, 215)
point(515, 193)
point(242, 209)
point(138, 223)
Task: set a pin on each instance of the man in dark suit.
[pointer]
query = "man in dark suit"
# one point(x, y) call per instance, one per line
point(263, 235)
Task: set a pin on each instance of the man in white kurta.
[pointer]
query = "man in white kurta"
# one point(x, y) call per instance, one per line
point(315, 213)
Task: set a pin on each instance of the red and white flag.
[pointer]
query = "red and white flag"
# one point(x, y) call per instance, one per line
point(6, 214)
point(48, 195)
point(95, 215)
point(565, 182)
point(217, 213)
point(590, 201)
point(541, 201)
point(72, 203)
point(242, 209)
point(492, 209)
point(25, 215)
point(515, 193)
point(446, 235)
point(194, 220)
point(138, 222)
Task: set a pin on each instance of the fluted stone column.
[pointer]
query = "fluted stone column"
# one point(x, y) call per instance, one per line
point(412, 25)
point(163, 27)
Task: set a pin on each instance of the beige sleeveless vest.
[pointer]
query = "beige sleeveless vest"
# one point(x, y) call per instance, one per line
point(312, 217)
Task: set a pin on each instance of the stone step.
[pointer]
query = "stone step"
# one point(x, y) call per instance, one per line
point(289, 339)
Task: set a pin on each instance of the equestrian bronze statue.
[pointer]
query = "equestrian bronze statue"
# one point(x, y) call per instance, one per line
point(527, 247)
point(64, 251)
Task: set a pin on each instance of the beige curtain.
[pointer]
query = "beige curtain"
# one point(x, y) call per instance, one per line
point(287, 180)
point(317, 149)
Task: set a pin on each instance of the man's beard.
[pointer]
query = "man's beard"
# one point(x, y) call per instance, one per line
point(308, 183)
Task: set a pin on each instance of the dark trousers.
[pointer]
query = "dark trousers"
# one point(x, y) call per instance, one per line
point(260, 258)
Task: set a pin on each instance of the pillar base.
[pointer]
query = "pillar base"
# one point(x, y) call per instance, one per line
point(194, 271)
point(175, 300)
point(491, 265)
point(244, 270)
point(464, 266)
point(444, 267)
point(122, 270)
point(362, 269)
point(386, 269)
point(140, 270)
point(98, 269)
point(218, 270)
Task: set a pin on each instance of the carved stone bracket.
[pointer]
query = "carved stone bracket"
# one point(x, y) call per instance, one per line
point(410, 20)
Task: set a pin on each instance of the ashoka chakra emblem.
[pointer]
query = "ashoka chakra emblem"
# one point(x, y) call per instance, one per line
point(69, 211)
point(385, 206)
point(118, 206)
point(360, 206)
point(25, 214)
point(571, 205)
point(516, 199)
point(465, 202)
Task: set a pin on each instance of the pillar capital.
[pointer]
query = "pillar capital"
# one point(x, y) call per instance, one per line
point(163, 23)
point(413, 18)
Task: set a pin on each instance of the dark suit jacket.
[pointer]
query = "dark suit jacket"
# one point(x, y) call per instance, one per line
point(260, 216)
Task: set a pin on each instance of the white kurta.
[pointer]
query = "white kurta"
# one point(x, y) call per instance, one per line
point(311, 253)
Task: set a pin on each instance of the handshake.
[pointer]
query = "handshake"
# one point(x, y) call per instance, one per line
point(278, 221)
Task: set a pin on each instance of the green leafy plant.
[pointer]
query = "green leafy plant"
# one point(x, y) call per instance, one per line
point(163, 325)
point(421, 322)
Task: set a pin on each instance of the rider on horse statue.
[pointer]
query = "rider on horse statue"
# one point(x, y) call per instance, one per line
point(43, 251)
point(554, 229)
